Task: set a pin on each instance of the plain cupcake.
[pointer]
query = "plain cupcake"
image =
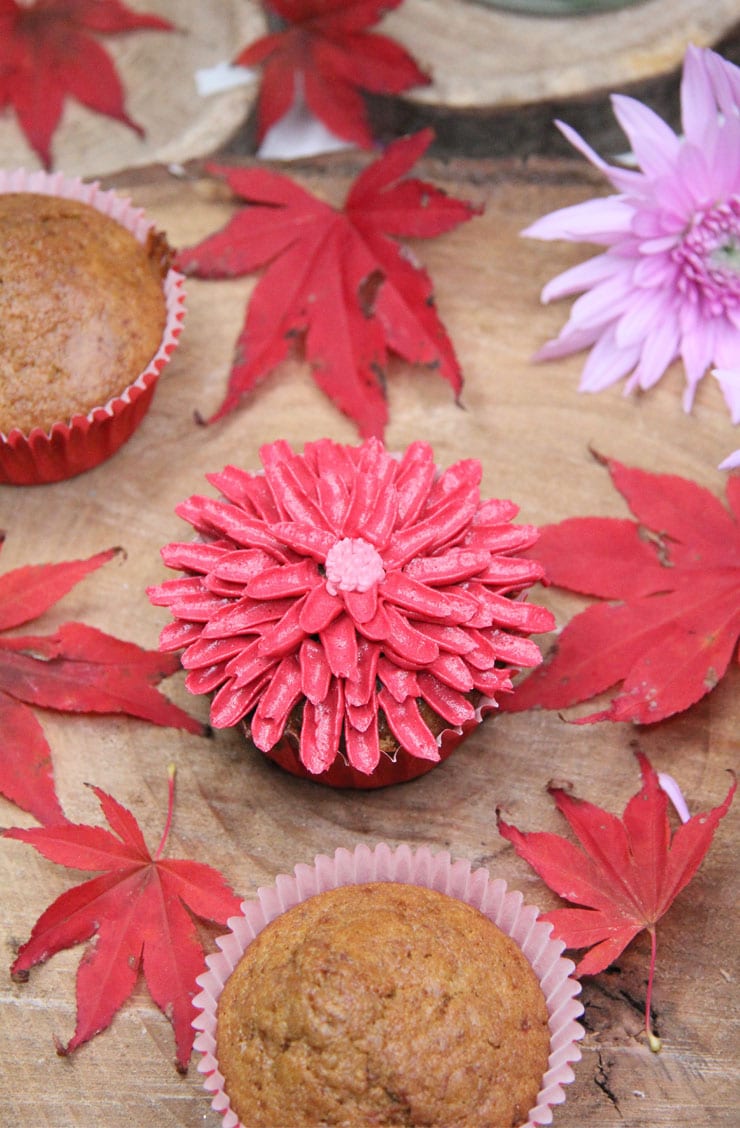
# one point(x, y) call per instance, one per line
point(90, 311)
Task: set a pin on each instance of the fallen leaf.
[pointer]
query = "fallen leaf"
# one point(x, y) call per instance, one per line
point(77, 669)
point(338, 278)
point(627, 872)
point(136, 908)
point(322, 51)
point(672, 579)
point(48, 54)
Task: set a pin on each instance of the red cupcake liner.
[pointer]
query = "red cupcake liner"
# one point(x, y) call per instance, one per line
point(72, 446)
point(401, 769)
point(415, 867)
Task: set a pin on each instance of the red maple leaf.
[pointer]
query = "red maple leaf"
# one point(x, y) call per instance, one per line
point(674, 577)
point(136, 909)
point(628, 872)
point(47, 54)
point(78, 669)
point(337, 278)
point(323, 52)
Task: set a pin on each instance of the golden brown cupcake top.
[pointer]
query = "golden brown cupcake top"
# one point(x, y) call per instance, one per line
point(382, 1004)
point(82, 308)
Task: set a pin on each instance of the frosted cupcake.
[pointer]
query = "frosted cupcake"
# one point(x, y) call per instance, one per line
point(89, 313)
point(355, 611)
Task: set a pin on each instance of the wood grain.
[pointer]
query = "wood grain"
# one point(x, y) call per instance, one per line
point(499, 78)
point(532, 432)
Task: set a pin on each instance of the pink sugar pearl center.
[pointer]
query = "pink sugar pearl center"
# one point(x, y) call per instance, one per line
point(353, 564)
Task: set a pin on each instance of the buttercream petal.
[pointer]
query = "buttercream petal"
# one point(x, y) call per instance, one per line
point(321, 730)
point(408, 642)
point(400, 683)
point(362, 746)
point(416, 472)
point(230, 705)
point(406, 724)
point(193, 556)
point(319, 609)
point(283, 582)
point(360, 684)
point(454, 566)
point(339, 640)
point(245, 616)
point(452, 671)
point(308, 540)
point(286, 634)
point(453, 706)
point(205, 679)
point(315, 671)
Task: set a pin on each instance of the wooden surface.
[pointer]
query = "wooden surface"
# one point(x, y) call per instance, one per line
point(521, 71)
point(532, 432)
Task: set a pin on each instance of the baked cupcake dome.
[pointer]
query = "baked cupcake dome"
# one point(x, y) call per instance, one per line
point(421, 867)
point(385, 1004)
point(343, 594)
point(89, 315)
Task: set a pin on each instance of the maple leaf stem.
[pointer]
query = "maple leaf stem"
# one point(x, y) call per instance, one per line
point(171, 773)
point(653, 1040)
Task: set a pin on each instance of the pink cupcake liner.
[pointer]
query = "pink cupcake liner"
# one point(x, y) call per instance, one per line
point(401, 769)
point(414, 867)
point(72, 446)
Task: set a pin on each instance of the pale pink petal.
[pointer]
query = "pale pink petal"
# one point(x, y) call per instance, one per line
point(636, 323)
point(731, 462)
point(579, 277)
point(697, 353)
point(698, 96)
point(624, 179)
point(694, 172)
point(607, 363)
point(729, 382)
point(602, 305)
point(725, 79)
point(659, 349)
point(654, 143)
point(601, 221)
point(570, 340)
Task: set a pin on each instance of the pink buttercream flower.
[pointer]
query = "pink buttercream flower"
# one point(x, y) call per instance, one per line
point(350, 583)
point(668, 286)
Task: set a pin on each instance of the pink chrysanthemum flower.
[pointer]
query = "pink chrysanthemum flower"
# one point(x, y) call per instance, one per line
point(354, 586)
point(668, 286)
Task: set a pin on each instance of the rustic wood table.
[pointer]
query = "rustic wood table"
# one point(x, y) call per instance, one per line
point(532, 432)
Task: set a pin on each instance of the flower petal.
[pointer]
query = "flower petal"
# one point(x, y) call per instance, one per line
point(654, 143)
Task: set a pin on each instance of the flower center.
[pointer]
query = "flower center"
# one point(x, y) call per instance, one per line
point(353, 564)
point(709, 257)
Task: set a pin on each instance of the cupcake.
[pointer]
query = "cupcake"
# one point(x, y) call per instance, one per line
point(424, 995)
point(89, 313)
point(355, 611)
